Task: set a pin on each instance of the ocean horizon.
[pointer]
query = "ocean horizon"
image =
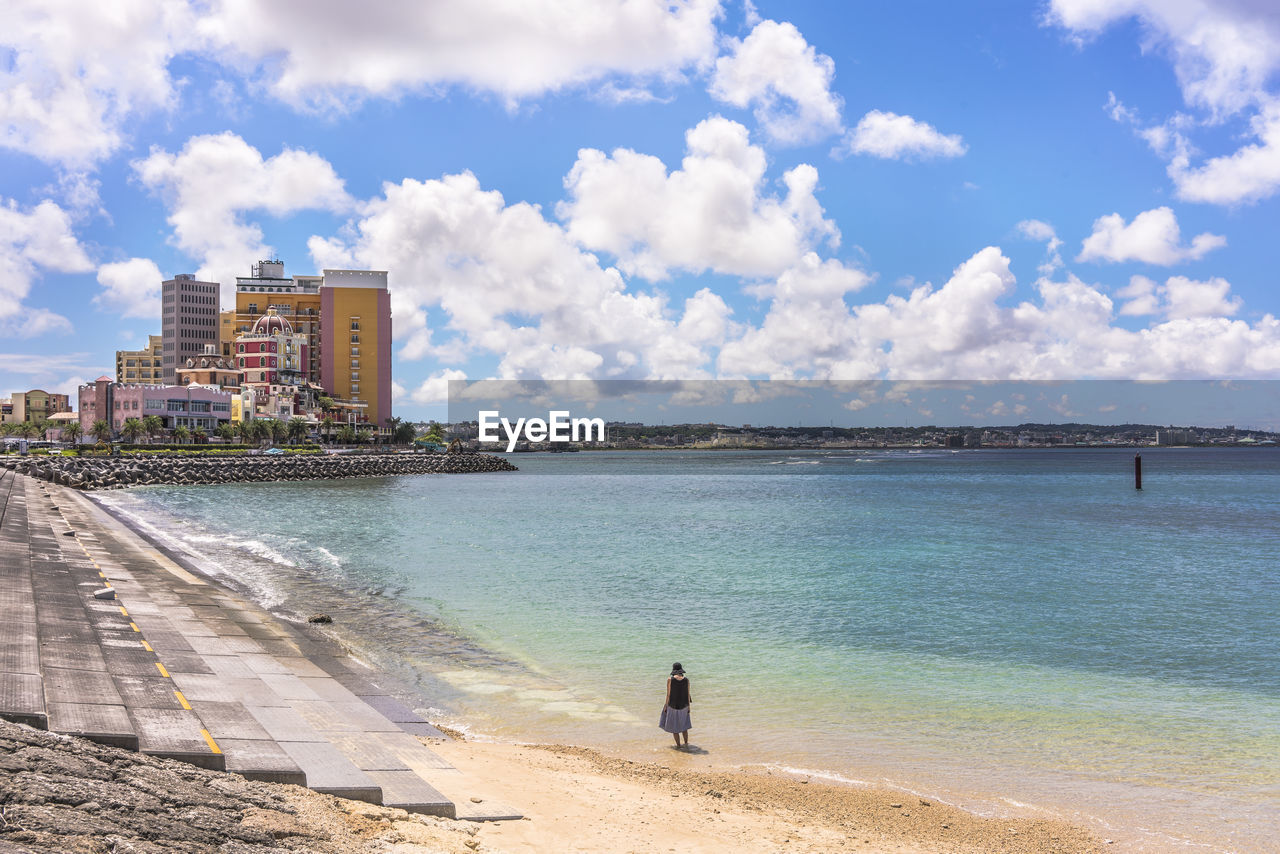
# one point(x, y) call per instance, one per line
point(1005, 630)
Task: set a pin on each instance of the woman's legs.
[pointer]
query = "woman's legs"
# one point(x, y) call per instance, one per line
point(676, 736)
point(686, 738)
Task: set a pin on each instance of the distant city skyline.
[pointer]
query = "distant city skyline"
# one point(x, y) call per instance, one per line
point(679, 190)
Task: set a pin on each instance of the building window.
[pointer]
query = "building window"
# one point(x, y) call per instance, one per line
point(355, 377)
point(355, 324)
point(177, 406)
point(355, 351)
point(199, 406)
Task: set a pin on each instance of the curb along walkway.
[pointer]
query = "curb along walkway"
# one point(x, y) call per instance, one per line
point(175, 666)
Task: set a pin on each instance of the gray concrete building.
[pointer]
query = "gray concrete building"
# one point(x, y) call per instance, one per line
point(189, 320)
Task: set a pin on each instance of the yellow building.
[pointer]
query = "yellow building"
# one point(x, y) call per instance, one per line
point(142, 367)
point(345, 316)
point(227, 332)
point(355, 339)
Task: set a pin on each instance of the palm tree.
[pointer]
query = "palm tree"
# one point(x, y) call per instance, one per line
point(71, 432)
point(101, 430)
point(277, 430)
point(327, 424)
point(132, 430)
point(153, 425)
point(28, 430)
point(297, 429)
point(199, 435)
point(245, 430)
point(404, 433)
point(393, 427)
point(181, 434)
point(225, 431)
point(346, 434)
point(365, 436)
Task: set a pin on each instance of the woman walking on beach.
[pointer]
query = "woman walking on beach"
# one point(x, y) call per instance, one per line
point(675, 711)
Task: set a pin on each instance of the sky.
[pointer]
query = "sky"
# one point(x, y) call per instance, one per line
point(673, 190)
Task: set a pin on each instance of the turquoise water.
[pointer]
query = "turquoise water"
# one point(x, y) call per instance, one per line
point(980, 625)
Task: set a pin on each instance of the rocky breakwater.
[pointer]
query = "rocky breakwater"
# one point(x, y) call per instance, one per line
point(113, 472)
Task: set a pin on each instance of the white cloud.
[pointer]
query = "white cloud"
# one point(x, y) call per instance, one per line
point(1223, 52)
point(435, 388)
point(1034, 229)
point(1187, 298)
point(965, 330)
point(131, 287)
point(779, 74)
point(1250, 174)
point(896, 137)
point(31, 241)
point(78, 71)
point(1141, 297)
point(714, 213)
point(215, 180)
point(502, 280)
point(1152, 238)
point(340, 52)
point(1225, 55)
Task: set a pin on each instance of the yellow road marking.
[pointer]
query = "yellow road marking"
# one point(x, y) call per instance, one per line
point(123, 611)
point(213, 745)
point(147, 646)
point(134, 626)
point(182, 700)
point(163, 672)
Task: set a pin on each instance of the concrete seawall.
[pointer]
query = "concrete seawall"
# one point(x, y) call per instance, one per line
point(111, 472)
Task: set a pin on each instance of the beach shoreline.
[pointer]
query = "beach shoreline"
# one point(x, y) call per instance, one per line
point(810, 812)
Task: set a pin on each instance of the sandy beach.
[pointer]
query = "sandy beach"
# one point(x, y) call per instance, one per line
point(572, 799)
point(67, 794)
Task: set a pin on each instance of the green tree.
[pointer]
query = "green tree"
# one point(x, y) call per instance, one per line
point(181, 434)
point(435, 433)
point(297, 429)
point(225, 431)
point(199, 436)
point(132, 430)
point(275, 429)
point(154, 425)
point(404, 433)
point(346, 434)
point(365, 436)
point(326, 403)
point(327, 424)
point(101, 430)
point(246, 431)
point(71, 432)
point(28, 430)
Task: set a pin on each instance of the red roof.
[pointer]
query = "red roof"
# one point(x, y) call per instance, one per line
point(105, 379)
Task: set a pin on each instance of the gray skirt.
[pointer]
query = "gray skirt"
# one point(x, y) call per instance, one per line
point(674, 720)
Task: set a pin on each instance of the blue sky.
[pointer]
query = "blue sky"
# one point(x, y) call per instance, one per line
point(622, 189)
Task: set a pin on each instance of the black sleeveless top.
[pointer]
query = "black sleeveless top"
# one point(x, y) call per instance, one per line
point(679, 693)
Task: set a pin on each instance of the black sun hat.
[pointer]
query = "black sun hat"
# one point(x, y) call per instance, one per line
point(676, 668)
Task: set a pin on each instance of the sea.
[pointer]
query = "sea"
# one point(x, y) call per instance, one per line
point(1018, 632)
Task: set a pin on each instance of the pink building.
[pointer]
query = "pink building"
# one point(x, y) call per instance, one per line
point(178, 406)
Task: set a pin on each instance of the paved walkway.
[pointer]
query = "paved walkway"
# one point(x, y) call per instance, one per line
point(179, 667)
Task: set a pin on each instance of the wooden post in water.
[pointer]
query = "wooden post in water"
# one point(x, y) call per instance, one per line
point(1137, 471)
